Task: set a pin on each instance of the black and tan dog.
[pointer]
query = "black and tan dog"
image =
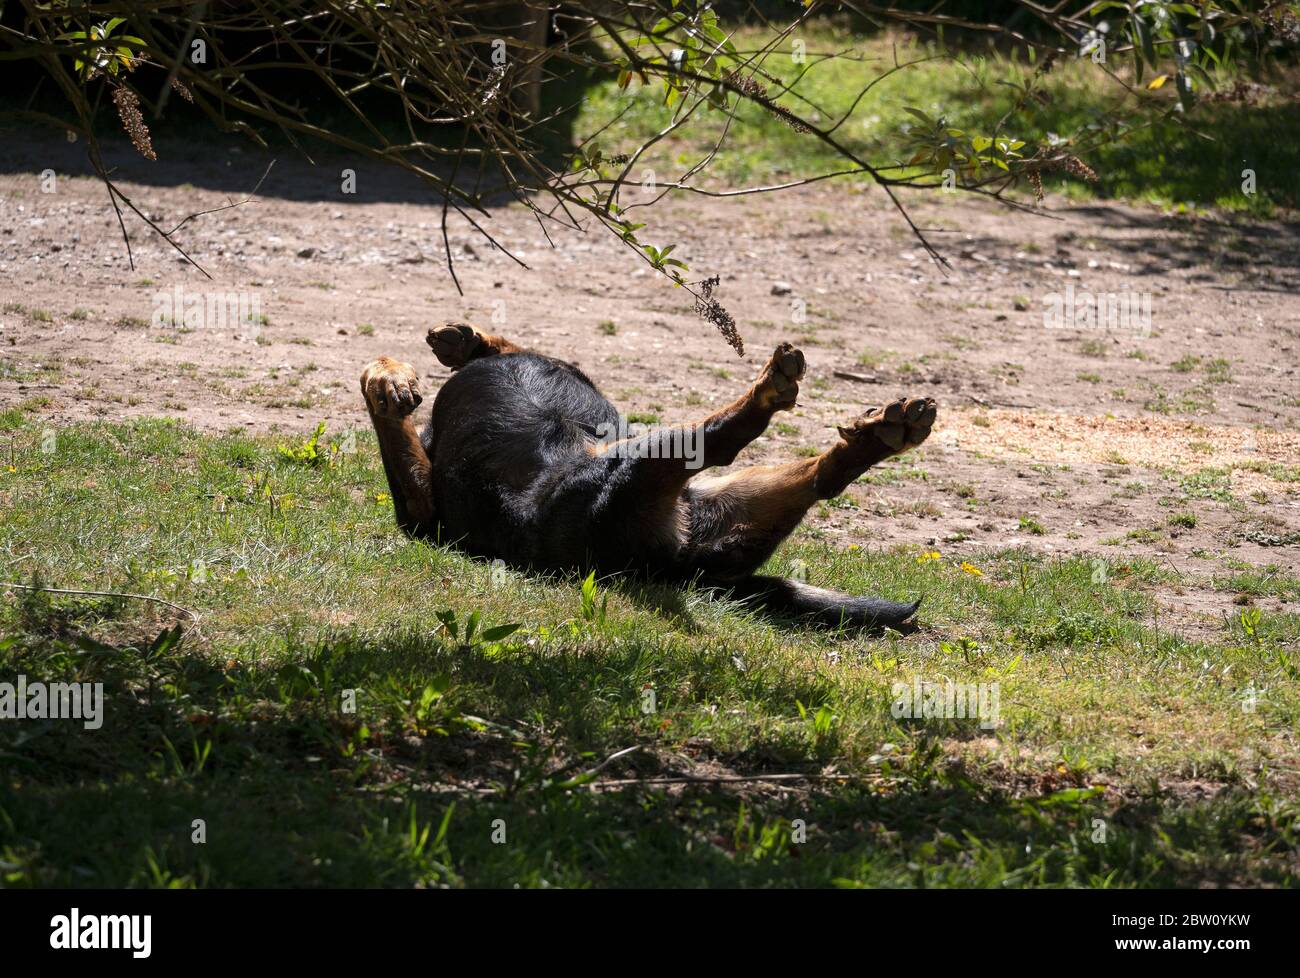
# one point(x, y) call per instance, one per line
point(510, 466)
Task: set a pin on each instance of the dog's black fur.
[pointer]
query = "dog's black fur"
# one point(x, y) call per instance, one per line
point(514, 472)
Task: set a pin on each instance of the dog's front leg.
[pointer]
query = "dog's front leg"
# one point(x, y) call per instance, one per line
point(392, 392)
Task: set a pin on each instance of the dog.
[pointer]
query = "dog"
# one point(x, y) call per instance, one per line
point(512, 465)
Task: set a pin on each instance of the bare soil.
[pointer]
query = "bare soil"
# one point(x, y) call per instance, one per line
point(1063, 441)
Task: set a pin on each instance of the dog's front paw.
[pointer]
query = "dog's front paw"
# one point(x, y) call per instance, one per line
point(391, 388)
point(899, 425)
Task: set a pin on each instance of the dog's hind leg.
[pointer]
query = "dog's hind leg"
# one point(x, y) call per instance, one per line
point(392, 391)
point(737, 520)
point(649, 472)
point(456, 344)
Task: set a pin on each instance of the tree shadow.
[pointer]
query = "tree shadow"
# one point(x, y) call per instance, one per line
point(193, 152)
point(1242, 252)
point(450, 746)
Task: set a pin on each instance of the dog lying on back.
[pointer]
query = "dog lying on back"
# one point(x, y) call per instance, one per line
point(512, 465)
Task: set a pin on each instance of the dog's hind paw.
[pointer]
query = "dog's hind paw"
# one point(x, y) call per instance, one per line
point(455, 344)
point(898, 425)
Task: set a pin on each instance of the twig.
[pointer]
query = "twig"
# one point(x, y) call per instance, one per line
point(614, 757)
point(226, 206)
point(726, 779)
point(859, 378)
point(998, 404)
point(98, 594)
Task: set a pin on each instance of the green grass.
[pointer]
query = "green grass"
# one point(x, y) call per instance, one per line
point(1032, 526)
point(1270, 580)
point(1171, 164)
point(1110, 729)
point(1208, 483)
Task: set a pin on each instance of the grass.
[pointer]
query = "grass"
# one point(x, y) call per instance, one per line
point(1274, 470)
point(1032, 526)
point(1208, 483)
point(309, 600)
point(1167, 163)
point(1268, 581)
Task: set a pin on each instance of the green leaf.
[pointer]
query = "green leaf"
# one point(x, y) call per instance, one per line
point(1144, 38)
point(1139, 45)
point(442, 827)
point(83, 642)
point(427, 696)
point(448, 619)
point(1067, 797)
point(498, 632)
point(164, 643)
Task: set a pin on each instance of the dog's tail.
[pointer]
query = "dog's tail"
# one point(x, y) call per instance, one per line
point(782, 596)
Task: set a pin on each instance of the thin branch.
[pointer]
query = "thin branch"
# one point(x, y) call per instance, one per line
point(226, 206)
point(99, 594)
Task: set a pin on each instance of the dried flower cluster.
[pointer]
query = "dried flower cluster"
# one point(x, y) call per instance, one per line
point(128, 108)
point(755, 92)
point(1076, 166)
point(1036, 182)
point(709, 308)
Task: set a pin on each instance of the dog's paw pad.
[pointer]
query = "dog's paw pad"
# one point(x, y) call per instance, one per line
point(778, 385)
point(454, 344)
point(391, 388)
point(898, 425)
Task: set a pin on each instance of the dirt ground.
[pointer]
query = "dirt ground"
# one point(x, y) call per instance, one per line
point(1058, 440)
